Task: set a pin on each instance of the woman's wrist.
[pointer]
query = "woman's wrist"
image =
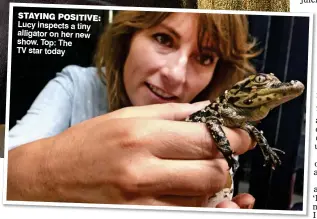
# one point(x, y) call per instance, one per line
point(28, 174)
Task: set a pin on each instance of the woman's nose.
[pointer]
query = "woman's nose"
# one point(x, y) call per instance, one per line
point(176, 69)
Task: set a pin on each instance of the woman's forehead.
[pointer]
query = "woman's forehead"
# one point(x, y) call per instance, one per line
point(189, 23)
point(186, 27)
point(180, 19)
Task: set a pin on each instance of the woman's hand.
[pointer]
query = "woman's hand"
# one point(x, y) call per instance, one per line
point(137, 155)
point(243, 200)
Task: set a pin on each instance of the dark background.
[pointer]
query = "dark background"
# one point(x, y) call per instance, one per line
point(37, 70)
point(285, 40)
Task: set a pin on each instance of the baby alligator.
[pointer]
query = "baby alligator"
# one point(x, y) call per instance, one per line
point(247, 101)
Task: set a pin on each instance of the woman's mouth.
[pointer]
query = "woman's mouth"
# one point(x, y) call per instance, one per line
point(159, 92)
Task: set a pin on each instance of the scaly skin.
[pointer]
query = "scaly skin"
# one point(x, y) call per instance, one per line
point(247, 101)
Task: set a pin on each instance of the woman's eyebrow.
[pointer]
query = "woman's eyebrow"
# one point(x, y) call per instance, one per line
point(170, 29)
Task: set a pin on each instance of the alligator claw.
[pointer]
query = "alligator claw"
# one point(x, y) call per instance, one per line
point(270, 157)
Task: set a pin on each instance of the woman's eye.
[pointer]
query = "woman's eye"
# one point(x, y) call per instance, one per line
point(164, 39)
point(205, 59)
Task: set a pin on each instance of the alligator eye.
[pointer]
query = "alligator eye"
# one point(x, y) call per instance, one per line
point(260, 79)
point(247, 101)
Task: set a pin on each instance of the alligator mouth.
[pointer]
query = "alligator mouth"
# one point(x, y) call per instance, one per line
point(282, 92)
point(270, 96)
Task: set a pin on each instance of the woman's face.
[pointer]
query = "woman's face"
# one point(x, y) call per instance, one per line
point(164, 63)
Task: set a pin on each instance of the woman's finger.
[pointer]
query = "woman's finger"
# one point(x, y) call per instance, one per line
point(244, 200)
point(186, 201)
point(178, 177)
point(180, 140)
point(168, 111)
point(227, 204)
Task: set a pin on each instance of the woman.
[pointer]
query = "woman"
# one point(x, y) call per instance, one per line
point(123, 141)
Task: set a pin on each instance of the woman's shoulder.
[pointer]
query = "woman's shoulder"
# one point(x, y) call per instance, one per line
point(79, 74)
point(78, 78)
point(84, 85)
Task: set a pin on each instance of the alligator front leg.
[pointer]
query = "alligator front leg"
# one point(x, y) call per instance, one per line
point(221, 140)
point(270, 156)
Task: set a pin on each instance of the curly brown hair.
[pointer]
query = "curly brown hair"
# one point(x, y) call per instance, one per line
point(234, 47)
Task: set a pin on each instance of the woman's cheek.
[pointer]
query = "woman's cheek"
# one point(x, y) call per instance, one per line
point(199, 83)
